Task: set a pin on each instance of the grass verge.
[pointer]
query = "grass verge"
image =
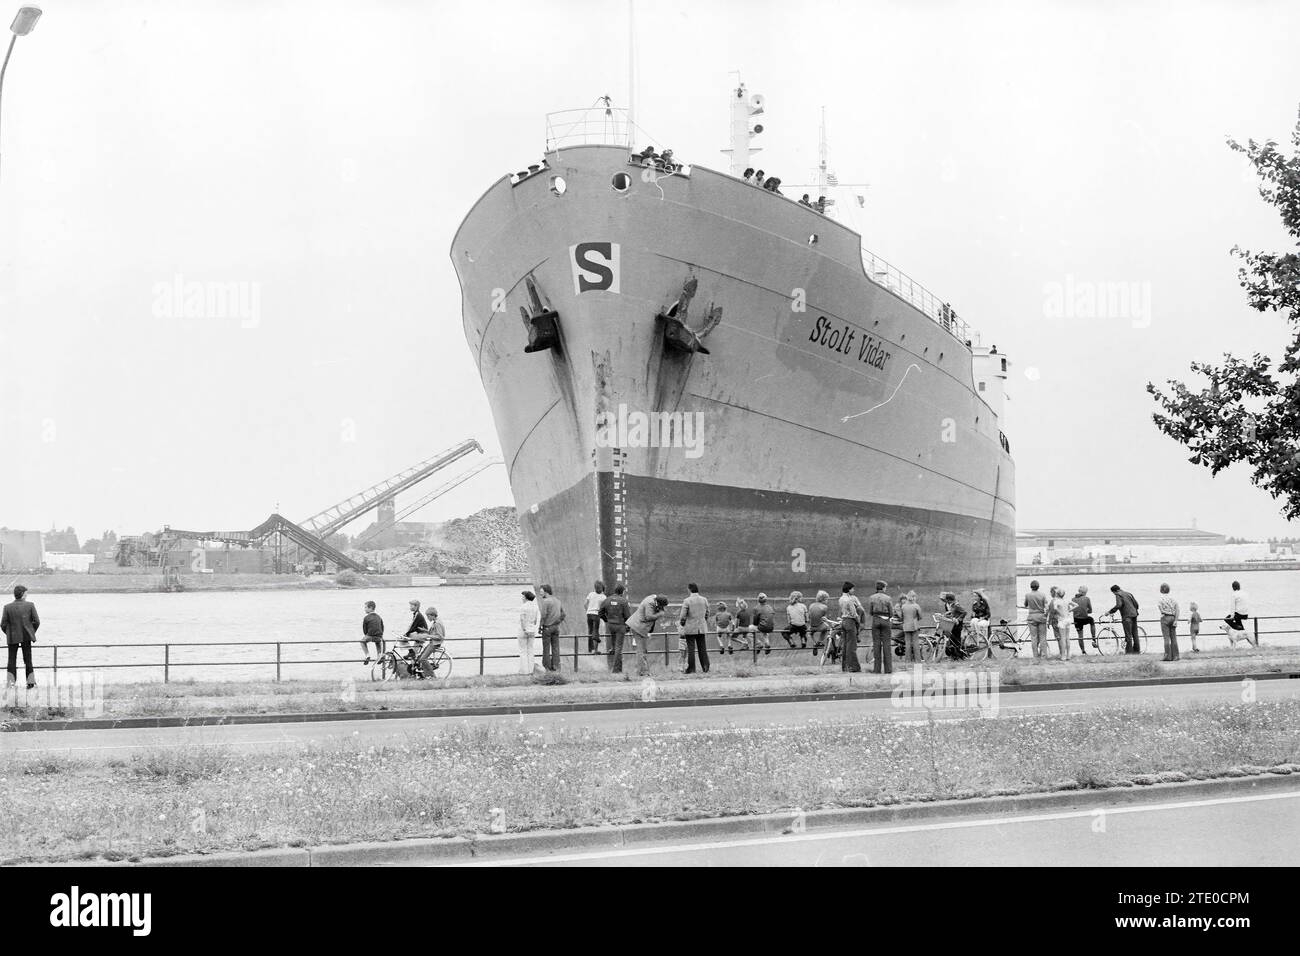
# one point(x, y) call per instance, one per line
point(592, 683)
point(476, 780)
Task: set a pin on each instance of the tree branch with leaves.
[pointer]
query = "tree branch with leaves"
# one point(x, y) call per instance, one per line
point(1247, 410)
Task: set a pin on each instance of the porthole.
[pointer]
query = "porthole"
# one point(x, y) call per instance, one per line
point(558, 185)
point(621, 182)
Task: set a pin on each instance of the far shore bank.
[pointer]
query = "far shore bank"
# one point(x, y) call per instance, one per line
point(145, 582)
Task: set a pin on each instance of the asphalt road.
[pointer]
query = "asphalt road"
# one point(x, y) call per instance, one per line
point(1248, 830)
point(675, 720)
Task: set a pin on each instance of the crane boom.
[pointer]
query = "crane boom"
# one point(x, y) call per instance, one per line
point(438, 492)
point(325, 523)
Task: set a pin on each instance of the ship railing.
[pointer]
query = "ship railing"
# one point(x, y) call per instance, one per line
point(596, 125)
point(473, 655)
point(909, 290)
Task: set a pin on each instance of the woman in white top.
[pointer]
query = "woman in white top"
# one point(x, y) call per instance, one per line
point(530, 616)
point(1057, 610)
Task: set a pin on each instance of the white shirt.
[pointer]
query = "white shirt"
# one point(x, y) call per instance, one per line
point(594, 600)
point(529, 617)
point(1239, 603)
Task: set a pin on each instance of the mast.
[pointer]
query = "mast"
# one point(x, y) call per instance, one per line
point(821, 152)
point(631, 74)
point(742, 108)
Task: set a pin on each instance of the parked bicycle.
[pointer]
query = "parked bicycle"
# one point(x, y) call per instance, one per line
point(1110, 636)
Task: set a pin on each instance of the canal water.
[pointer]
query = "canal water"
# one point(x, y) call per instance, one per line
point(212, 632)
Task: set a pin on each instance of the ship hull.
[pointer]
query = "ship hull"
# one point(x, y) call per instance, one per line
point(832, 432)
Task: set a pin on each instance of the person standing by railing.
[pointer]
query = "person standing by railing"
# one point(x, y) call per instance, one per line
point(1194, 625)
point(529, 622)
point(817, 622)
point(694, 625)
point(910, 614)
point(19, 622)
point(1036, 604)
point(641, 623)
point(1127, 606)
point(852, 616)
point(1169, 623)
point(614, 611)
point(881, 609)
point(595, 598)
point(1056, 612)
point(552, 617)
point(1081, 609)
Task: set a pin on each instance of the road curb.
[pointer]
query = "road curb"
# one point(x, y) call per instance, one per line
point(503, 710)
point(508, 845)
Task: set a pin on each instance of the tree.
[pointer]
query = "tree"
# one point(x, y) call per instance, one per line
point(1248, 411)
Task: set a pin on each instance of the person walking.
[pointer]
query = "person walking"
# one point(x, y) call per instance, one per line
point(1127, 606)
point(796, 615)
point(595, 598)
point(530, 618)
point(817, 622)
point(614, 611)
point(880, 608)
point(1081, 610)
point(1240, 611)
point(641, 624)
point(552, 615)
point(910, 613)
point(694, 626)
point(764, 622)
point(1036, 604)
point(19, 622)
point(1194, 625)
point(1169, 623)
point(852, 616)
point(372, 629)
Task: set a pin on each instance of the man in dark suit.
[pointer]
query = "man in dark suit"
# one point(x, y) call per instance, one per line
point(19, 622)
point(1127, 606)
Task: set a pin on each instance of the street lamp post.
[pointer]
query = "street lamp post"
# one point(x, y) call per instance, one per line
point(23, 24)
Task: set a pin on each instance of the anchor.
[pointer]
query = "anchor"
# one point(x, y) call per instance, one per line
point(677, 335)
point(542, 323)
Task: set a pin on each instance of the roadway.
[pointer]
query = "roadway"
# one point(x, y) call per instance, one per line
point(676, 720)
point(1245, 830)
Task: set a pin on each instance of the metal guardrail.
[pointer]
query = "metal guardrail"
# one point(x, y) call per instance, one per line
point(906, 288)
point(479, 660)
point(596, 125)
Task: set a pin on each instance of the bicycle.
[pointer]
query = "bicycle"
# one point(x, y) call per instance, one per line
point(1110, 639)
point(975, 647)
point(431, 664)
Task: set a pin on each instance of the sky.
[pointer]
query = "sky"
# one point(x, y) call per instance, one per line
point(1056, 171)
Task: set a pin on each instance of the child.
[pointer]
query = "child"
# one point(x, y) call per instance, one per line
point(797, 617)
point(723, 622)
point(1194, 622)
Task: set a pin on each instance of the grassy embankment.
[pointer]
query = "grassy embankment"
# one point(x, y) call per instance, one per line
point(468, 780)
point(737, 676)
